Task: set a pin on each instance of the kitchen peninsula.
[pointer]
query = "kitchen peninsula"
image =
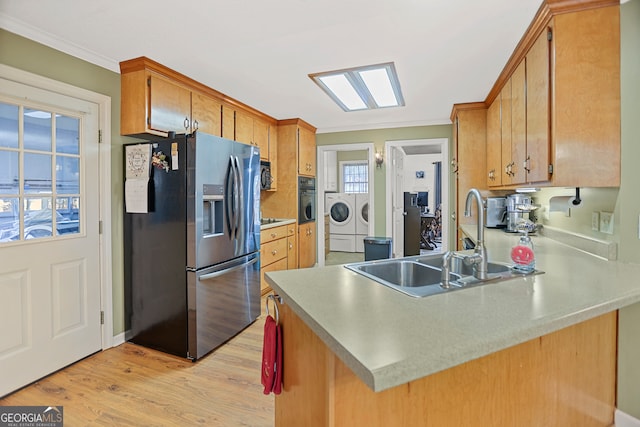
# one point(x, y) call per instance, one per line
point(538, 350)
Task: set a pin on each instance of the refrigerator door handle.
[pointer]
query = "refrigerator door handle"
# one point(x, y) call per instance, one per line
point(228, 270)
point(229, 187)
point(239, 198)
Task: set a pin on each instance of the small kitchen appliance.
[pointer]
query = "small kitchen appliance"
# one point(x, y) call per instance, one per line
point(519, 207)
point(496, 212)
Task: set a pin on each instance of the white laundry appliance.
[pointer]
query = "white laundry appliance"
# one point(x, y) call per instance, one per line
point(342, 221)
point(362, 220)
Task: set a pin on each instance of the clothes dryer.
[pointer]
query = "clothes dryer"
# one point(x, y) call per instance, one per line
point(362, 220)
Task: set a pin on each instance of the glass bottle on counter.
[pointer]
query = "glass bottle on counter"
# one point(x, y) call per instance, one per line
point(522, 254)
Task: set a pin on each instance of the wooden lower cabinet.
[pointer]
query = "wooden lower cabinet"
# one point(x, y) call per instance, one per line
point(276, 244)
point(307, 245)
point(292, 247)
point(566, 378)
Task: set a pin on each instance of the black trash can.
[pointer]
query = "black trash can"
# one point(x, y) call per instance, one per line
point(377, 248)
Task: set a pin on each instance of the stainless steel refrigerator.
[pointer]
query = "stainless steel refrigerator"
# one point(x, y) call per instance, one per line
point(192, 263)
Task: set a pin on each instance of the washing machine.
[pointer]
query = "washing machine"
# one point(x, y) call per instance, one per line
point(362, 220)
point(342, 221)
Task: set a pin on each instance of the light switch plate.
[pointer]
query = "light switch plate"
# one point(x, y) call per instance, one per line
point(606, 222)
point(595, 221)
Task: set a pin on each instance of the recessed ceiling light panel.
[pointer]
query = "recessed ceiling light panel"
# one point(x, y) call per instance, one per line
point(360, 88)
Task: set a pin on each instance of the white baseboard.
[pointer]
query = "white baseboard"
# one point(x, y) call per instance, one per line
point(118, 339)
point(622, 419)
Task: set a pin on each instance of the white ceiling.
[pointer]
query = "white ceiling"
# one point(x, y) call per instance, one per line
point(260, 52)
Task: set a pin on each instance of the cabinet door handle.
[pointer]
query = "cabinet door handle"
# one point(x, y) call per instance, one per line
point(195, 125)
point(273, 252)
point(290, 245)
point(186, 122)
point(273, 235)
point(526, 164)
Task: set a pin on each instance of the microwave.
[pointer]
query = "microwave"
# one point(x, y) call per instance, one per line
point(265, 175)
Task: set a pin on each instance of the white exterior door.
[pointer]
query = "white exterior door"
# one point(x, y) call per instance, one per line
point(49, 238)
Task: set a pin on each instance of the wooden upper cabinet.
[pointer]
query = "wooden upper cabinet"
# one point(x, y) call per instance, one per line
point(156, 100)
point(555, 108)
point(206, 114)
point(253, 131)
point(538, 99)
point(518, 126)
point(494, 144)
point(585, 128)
point(306, 152)
point(228, 122)
point(152, 104)
point(261, 138)
point(169, 105)
point(469, 165)
point(244, 128)
point(506, 164)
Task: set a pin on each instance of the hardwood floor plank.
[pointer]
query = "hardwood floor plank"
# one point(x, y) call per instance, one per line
point(130, 385)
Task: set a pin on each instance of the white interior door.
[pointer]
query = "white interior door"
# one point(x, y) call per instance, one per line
point(398, 202)
point(49, 210)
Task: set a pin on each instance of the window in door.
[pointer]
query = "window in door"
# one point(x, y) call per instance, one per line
point(355, 177)
point(40, 165)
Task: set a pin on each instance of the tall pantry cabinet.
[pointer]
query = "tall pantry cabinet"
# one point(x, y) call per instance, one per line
point(296, 157)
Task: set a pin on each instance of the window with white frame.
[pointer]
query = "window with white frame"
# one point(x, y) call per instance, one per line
point(355, 176)
point(40, 165)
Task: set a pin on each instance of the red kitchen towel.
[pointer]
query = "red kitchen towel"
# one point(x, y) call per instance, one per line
point(271, 375)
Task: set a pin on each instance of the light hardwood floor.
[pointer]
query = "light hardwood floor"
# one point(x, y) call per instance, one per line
point(130, 385)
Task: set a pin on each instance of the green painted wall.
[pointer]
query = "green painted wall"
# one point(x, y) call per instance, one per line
point(351, 155)
point(35, 58)
point(628, 207)
point(378, 137)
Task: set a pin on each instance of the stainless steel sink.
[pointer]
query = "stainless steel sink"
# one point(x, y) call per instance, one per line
point(406, 276)
point(458, 266)
point(421, 276)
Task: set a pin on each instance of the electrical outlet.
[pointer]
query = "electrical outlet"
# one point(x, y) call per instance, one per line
point(595, 221)
point(606, 222)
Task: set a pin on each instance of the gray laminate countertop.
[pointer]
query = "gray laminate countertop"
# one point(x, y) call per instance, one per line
point(275, 222)
point(388, 338)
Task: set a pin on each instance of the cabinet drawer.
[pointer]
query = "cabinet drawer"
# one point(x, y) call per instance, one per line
point(272, 234)
point(273, 251)
point(278, 265)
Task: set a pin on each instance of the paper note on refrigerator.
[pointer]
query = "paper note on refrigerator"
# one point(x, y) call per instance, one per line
point(136, 185)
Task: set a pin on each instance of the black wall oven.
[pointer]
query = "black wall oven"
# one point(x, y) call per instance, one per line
point(306, 199)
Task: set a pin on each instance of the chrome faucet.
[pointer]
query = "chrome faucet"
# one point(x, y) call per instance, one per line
point(479, 258)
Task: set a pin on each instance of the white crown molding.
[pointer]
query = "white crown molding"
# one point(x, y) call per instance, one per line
point(36, 34)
